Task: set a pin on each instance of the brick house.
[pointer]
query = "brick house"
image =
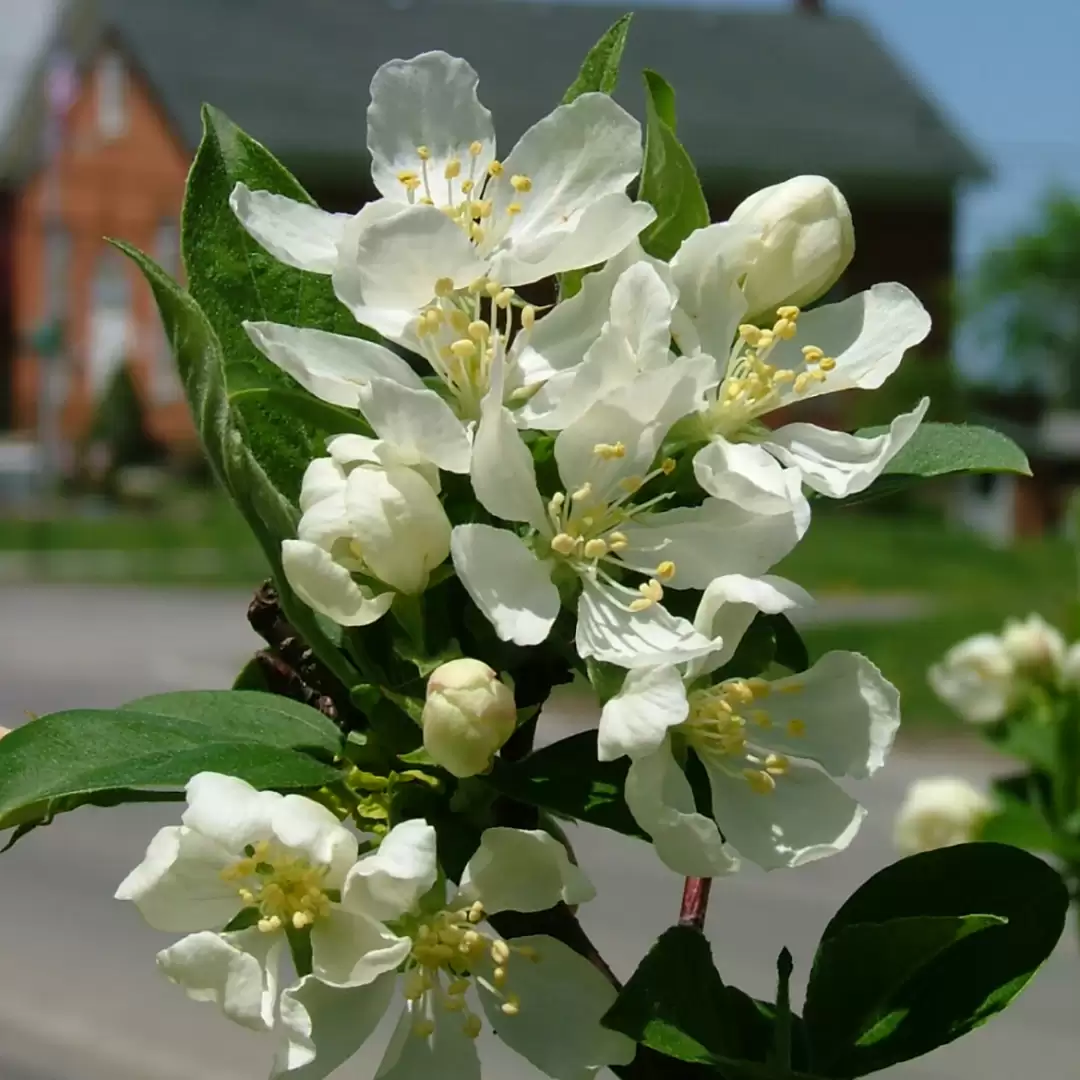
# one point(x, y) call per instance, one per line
point(762, 96)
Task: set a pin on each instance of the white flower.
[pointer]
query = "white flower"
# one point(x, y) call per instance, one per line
point(540, 997)
point(368, 514)
point(1070, 666)
point(603, 521)
point(279, 859)
point(1033, 645)
point(977, 678)
point(939, 811)
point(456, 230)
point(468, 715)
point(804, 242)
point(769, 748)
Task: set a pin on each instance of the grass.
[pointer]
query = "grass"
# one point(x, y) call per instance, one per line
point(970, 585)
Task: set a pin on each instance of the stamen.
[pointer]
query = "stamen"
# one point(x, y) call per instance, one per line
point(514, 208)
point(464, 349)
point(472, 1026)
point(495, 168)
point(617, 542)
point(521, 183)
point(476, 148)
point(453, 169)
point(444, 287)
point(511, 1006)
point(666, 570)
point(652, 592)
point(595, 549)
point(424, 1028)
point(632, 483)
point(826, 363)
point(528, 317)
point(610, 451)
point(668, 466)
point(503, 298)
point(788, 311)
point(563, 543)
point(423, 153)
point(812, 354)
point(760, 781)
point(479, 330)
point(796, 728)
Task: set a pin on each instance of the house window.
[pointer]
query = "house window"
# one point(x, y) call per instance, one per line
point(165, 382)
point(110, 321)
point(111, 97)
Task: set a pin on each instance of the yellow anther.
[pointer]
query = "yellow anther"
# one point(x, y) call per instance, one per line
point(733, 388)
point(652, 591)
point(423, 153)
point(444, 286)
point(667, 466)
point(424, 1028)
point(476, 912)
point(739, 691)
point(472, 1026)
point(666, 570)
point(409, 179)
point(416, 985)
point(796, 728)
point(802, 381)
point(514, 208)
point(247, 896)
point(783, 376)
point(630, 484)
point(595, 549)
point(617, 542)
point(478, 286)
point(556, 502)
point(492, 288)
point(476, 148)
point(528, 317)
point(826, 363)
point(464, 349)
point(583, 492)
point(503, 299)
point(453, 1004)
point(760, 781)
point(762, 719)
point(425, 201)
point(777, 764)
point(784, 328)
point(459, 321)
point(269, 924)
point(458, 986)
point(788, 311)
point(759, 687)
point(498, 976)
point(301, 919)
point(521, 183)
point(511, 1006)
point(765, 339)
point(476, 234)
point(812, 354)
point(750, 334)
point(479, 330)
point(495, 168)
point(500, 951)
point(724, 705)
point(453, 169)
point(563, 543)
point(467, 186)
point(610, 451)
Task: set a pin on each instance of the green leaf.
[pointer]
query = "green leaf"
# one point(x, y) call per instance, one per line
point(101, 756)
point(951, 991)
point(1020, 824)
point(251, 677)
point(600, 71)
point(567, 779)
point(669, 180)
point(938, 449)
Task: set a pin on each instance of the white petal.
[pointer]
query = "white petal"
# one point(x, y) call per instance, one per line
point(866, 335)
point(237, 972)
point(849, 714)
point(977, 678)
point(731, 603)
point(417, 422)
point(522, 870)
point(506, 581)
point(320, 583)
point(707, 270)
point(837, 464)
point(661, 800)
point(352, 949)
point(325, 523)
point(641, 306)
point(229, 810)
point(427, 101)
point(323, 1026)
point(389, 882)
point(178, 885)
point(608, 630)
point(346, 450)
point(503, 474)
point(636, 720)
point(323, 479)
point(316, 835)
point(563, 997)
point(330, 366)
point(708, 541)
point(807, 817)
point(293, 232)
point(447, 1054)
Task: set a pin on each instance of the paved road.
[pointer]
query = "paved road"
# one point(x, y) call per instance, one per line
point(79, 996)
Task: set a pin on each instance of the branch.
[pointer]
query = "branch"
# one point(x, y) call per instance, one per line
point(284, 681)
point(695, 902)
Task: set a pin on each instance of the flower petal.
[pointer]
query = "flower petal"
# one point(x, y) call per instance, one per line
point(229, 810)
point(178, 886)
point(237, 972)
point(807, 816)
point(325, 523)
point(867, 335)
point(977, 677)
point(661, 800)
point(295, 233)
point(330, 366)
point(522, 870)
point(323, 479)
point(837, 464)
point(417, 422)
point(315, 834)
point(427, 101)
point(446, 1054)
point(636, 720)
point(323, 1026)
point(352, 949)
point(608, 630)
point(845, 712)
point(320, 583)
point(389, 882)
point(731, 603)
point(562, 1000)
point(506, 581)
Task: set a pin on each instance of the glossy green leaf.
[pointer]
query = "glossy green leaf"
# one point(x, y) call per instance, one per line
point(951, 990)
point(938, 449)
point(600, 70)
point(567, 779)
point(669, 180)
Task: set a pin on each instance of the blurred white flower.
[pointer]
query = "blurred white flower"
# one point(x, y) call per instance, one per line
point(1033, 645)
point(530, 989)
point(1070, 666)
point(939, 811)
point(467, 716)
point(281, 860)
point(365, 513)
point(977, 678)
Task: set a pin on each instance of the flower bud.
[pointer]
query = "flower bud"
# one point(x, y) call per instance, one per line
point(807, 240)
point(469, 714)
point(1070, 667)
point(977, 678)
point(940, 811)
point(1033, 645)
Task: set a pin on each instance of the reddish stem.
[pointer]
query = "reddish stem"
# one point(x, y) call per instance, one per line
point(695, 902)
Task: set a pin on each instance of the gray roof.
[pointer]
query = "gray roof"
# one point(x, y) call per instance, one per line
point(761, 94)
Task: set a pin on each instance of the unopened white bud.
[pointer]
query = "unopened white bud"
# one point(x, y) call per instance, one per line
point(977, 678)
point(807, 240)
point(940, 811)
point(1033, 645)
point(469, 714)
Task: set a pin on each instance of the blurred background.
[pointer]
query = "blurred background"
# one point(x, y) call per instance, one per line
point(951, 128)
